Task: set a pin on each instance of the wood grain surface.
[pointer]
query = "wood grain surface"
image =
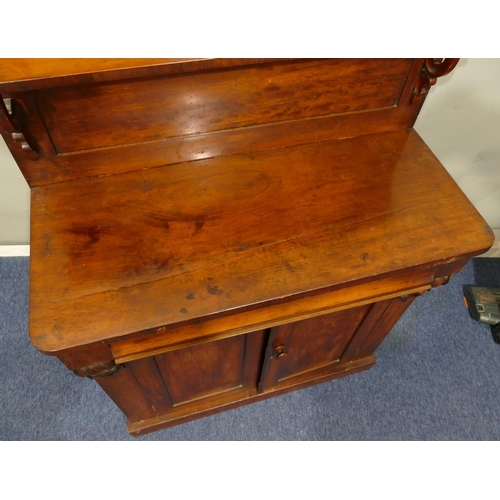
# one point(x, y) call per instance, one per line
point(203, 239)
point(210, 232)
point(26, 74)
point(216, 100)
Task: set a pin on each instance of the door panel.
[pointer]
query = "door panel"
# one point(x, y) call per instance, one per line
point(191, 374)
point(309, 345)
point(203, 370)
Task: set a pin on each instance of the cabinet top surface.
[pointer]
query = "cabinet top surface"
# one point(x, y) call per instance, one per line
point(172, 245)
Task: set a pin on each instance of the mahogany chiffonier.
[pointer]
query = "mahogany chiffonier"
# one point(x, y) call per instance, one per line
point(206, 233)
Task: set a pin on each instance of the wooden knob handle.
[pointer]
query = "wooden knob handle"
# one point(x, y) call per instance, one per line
point(280, 351)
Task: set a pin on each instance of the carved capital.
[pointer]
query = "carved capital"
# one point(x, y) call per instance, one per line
point(442, 280)
point(431, 70)
point(106, 369)
point(12, 121)
point(404, 298)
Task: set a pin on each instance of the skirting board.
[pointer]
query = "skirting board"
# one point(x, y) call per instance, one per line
point(14, 250)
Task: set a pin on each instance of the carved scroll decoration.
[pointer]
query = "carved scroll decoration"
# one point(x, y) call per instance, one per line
point(404, 298)
point(105, 369)
point(12, 121)
point(432, 69)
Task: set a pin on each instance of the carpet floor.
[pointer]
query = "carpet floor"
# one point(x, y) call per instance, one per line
point(437, 378)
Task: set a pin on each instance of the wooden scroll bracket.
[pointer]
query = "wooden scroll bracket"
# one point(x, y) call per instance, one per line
point(105, 369)
point(431, 70)
point(12, 121)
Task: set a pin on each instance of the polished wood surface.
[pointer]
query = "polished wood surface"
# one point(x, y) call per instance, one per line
point(52, 168)
point(221, 362)
point(234, 106)
point(229, 364)
point(243, 97)
point(25, 70)
point(206, 233)
point(230, 400)
point(301, 347)
point(170, 338)
point(193, 239)
point(32, 74)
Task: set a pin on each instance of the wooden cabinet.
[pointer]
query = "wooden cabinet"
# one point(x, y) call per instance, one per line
point(209, 233)
point(198, 378)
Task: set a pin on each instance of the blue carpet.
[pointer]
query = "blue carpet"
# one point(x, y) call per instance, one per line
point(437, 378)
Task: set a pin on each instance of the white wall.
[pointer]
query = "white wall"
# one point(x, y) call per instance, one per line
point(461, 124)
point(14, 201)
point(460, 121)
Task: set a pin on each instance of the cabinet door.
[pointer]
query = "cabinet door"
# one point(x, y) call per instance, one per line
point(202, 374)
point(317, 348)
point(300, 349)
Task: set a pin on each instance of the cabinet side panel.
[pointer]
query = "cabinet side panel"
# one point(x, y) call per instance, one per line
point(376, 311)
point(127, 394)
point(147, 374)
point(386, 322)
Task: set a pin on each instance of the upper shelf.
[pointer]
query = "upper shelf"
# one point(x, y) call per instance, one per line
point(18, 75)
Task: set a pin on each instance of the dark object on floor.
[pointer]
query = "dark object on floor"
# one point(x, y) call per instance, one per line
point(483, 304)
point(495, 332)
